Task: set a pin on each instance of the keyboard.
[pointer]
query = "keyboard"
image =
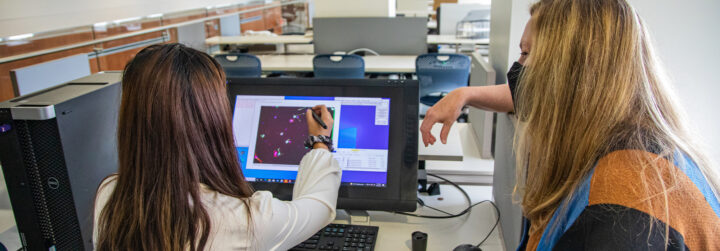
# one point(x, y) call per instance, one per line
point(341, 237)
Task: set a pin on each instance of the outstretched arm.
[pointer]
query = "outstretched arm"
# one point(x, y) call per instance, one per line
point(496, 98)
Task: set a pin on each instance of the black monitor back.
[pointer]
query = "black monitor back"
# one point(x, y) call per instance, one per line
point(400, 194)
point(384, 35)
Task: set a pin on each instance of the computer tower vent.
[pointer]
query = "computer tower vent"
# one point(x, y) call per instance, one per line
point(50, 183)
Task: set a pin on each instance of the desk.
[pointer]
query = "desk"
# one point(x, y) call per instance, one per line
point(308, 38)
point(459, 160)
point(282, 40)
point(395, 229)
point(373, 64)
point(451, 39)
point(258, 39)
point(443, 234)
point(451, 151)
point(432, 24)
point(9, 235)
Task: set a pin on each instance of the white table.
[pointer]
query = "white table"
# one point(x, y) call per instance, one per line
point(452, 39)
point(395, 229)
point(9, 235)
point(459, 160)
point(439, 151)
point(308, 38)
point(281, 40)
point(443, 234)
point(374, 64)
point(432, 24)
point(260, 39)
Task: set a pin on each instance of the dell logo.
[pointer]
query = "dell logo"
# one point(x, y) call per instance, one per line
point(5, 128)
point(53, 183)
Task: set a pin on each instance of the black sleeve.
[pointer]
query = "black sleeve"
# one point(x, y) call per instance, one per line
point(512, 87)
point(615, 227)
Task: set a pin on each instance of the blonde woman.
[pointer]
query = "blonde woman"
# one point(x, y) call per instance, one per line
point(605, 161)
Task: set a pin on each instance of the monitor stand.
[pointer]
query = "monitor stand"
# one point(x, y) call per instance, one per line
point(358, 217)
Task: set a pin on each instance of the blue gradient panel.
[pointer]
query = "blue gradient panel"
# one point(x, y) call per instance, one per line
point(367, 135)
point(347, 138)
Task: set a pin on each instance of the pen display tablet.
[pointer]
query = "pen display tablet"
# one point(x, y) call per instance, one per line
point(375, 134)
point(270, 132)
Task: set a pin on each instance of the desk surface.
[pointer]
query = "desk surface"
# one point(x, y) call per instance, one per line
point(9, 235)
point(459, 159)
point(443, 234)
point(451, 39)
point(374, 64)
point(306, 39)
point(259, 39)
point(451, 151)
point(395, 229)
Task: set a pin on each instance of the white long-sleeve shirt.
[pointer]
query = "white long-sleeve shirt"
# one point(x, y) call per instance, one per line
point(275, 224)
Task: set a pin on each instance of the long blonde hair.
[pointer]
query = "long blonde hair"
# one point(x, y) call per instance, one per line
point(593, 85)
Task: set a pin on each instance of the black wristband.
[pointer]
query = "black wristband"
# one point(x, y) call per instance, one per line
point(311, 140)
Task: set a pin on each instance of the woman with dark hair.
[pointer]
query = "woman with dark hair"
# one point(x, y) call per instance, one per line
point(179, 185)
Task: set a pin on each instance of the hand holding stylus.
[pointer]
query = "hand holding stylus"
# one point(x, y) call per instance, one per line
point(319, 120)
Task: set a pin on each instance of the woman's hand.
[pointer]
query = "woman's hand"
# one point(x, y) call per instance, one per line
point(314, 128)
point(445, 111)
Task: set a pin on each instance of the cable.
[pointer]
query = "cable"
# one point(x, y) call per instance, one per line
point(463, 212)
point(467, 210)
point(422, 204)
point(467, 197)
point(438, 210)
point(497, 220)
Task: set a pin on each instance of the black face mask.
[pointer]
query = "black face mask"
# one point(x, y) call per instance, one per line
point(512, 77)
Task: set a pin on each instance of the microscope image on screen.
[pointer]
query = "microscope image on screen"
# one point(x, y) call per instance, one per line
point(281, 134)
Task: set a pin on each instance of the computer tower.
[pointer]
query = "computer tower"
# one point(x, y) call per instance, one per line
point(56, 146)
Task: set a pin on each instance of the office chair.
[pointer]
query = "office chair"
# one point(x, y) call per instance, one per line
point(338, 66)
point(439, 74)
point(240, 65)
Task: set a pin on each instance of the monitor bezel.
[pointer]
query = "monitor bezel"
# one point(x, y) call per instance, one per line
point(400, 192)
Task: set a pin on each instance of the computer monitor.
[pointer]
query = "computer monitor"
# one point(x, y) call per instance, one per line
point(374, 132)
point(384, 35)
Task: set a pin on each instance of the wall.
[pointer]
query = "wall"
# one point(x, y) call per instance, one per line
point(687, 38)
point(354, 8)
point(29, 16)
point(507, 23)
point(412, 5)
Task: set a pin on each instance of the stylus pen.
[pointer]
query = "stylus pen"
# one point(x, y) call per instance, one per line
point(319, 120)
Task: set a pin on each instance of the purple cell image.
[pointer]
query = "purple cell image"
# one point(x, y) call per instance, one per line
point(281, 135)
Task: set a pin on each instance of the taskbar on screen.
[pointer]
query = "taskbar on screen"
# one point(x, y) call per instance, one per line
point(287, 181)
point(356, 184)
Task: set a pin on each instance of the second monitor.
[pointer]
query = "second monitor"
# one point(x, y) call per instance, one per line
point(374, 133)
point(384, 35)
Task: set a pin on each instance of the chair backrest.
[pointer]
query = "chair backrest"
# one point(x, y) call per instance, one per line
point(438, 72)
point(338, 66)
point(240, 65)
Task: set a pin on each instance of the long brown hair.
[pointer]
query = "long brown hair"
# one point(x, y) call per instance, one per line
point(174, 133)
point(593, 85)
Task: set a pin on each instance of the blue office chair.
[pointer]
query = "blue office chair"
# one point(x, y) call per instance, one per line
point(338, 66)
point(439, 74)
point(240, 65)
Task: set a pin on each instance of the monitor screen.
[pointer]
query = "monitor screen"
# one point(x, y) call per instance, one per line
point(270, 132)
point(375, 134)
